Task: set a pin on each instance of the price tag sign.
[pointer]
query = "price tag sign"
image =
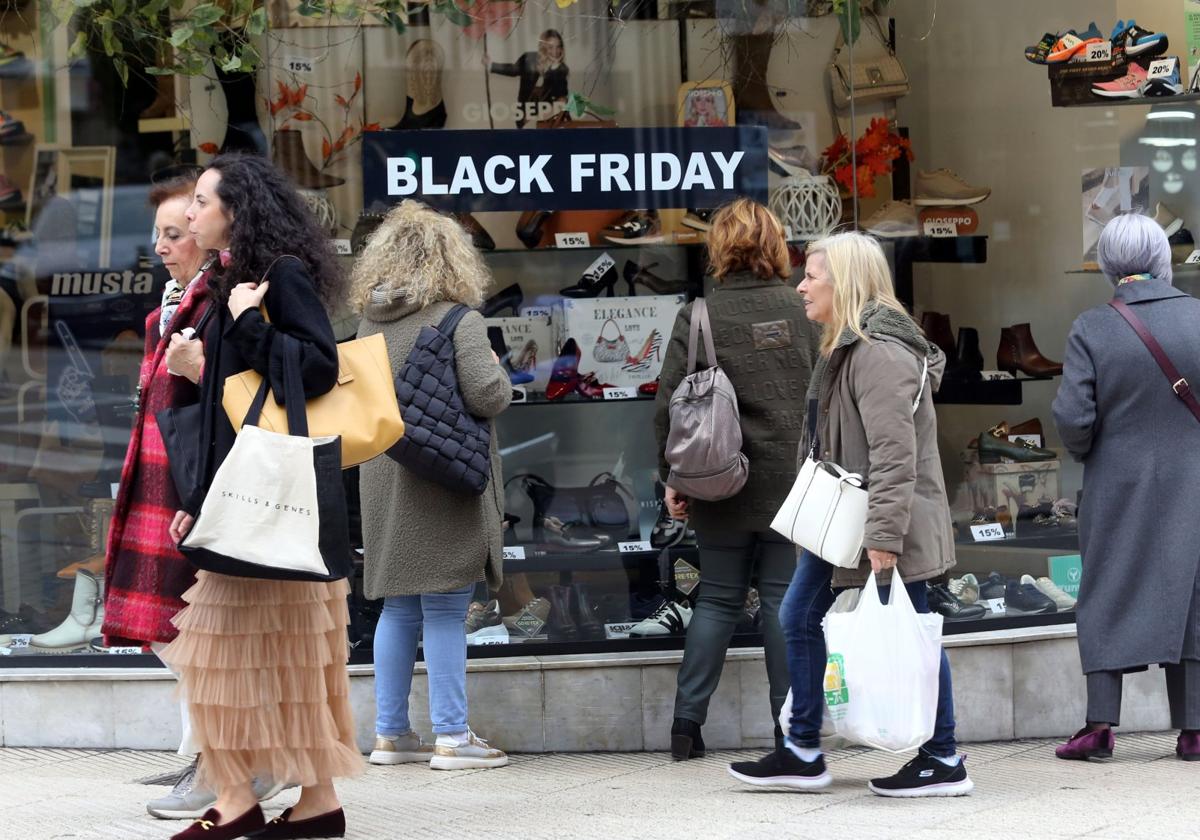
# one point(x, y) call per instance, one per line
point(995, 375)
point(1032, 440)
point(19, 640)
point(1098, 52)
point(620, 393)
point(987, 532)
point(536, 311)
point(513, 552)
point(995, 605)
point(634, 547)
point(1162, 68)
point(619, 630)
point(124, 651)
point(298, 64)
point(341, 247)
point(1193, 257)
point(940, 228)
point(572, 240)
point(491, 640)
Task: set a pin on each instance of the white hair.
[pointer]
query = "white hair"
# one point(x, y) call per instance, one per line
point(1133, 244)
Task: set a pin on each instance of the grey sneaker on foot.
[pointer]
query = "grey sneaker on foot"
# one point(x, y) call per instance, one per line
point(402, 749)
point(186, 801)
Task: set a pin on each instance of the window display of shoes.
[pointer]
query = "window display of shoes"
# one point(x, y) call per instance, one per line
point(699, 219)
point(965, 588)
point(1128, 86)
point(671, 619)
point(529, 620)
point(893, 219)
point(1039, 53)
point(485, 624)
point(993, 587)
point(82, 623)
point(1138, 42)
point(944, 188)
point(1169, 85)
point(943, 602)
point(637, 227)
point(1051, 590)
point(1071, 44)
point(1168, 221)
point(1026, 599)
point(1019, 353)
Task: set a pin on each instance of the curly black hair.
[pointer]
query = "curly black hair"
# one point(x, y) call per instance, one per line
point(271, 219)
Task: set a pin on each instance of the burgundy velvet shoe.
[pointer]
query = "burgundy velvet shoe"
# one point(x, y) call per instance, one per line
point(1086, 744)
point(206, 827)
point(1188, 745)
point(332, 824)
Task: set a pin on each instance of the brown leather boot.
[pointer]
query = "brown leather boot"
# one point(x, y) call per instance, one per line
point(1018, 352)
point(937, 329)
point(164, 103)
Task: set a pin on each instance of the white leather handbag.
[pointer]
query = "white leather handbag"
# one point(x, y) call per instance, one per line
point(826, 510)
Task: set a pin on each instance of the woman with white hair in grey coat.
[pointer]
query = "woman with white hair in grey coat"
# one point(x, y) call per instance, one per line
point(1131, 424)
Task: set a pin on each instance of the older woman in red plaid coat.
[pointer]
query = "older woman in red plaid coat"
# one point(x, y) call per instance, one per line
point(145, 574)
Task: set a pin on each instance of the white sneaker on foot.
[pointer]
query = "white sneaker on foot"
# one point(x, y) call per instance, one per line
point(401, 749)
point(465, 751)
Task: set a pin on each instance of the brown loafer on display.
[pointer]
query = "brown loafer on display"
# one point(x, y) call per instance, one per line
point(208, 827)
point(332, 824)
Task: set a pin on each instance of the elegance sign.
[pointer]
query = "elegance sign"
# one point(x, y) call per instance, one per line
point(581, 169)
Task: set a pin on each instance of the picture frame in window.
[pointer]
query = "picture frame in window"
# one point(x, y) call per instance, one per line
point(706, 104)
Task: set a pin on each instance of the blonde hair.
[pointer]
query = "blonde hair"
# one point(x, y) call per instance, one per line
point(421, 257)
point(859, 273)
point(746, 236)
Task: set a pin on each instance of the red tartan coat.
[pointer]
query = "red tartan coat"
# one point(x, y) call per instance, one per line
point(145, 575)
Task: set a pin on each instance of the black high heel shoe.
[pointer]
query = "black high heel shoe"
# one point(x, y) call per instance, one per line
point(600, 276)
point(510, 297)
point(635, 274)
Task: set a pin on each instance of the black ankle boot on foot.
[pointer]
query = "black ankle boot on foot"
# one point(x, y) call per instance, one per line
point(686, 741)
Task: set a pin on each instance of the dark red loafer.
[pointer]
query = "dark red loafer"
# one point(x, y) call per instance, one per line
point(1188, 745)
point(207, 828)
point(1086, 744)
point(332, 824)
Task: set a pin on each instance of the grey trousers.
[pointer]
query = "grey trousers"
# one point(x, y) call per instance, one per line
point(1183, 695)
point(728, 561)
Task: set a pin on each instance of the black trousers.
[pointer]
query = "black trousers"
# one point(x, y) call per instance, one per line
point(1183, 695)
point(728, 561)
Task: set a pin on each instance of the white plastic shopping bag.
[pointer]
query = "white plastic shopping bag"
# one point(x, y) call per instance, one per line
point(830, 740)
point(881, 676)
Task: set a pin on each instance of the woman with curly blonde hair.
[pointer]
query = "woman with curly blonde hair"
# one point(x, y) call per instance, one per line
point(426, 545)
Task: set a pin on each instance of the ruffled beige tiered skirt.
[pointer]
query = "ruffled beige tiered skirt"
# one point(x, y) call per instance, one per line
point(262, 664)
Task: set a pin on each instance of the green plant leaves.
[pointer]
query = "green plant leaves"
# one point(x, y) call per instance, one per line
point(181, 34)
point(206, 14)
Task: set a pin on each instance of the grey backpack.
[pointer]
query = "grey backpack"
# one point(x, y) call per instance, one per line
point(704, 445)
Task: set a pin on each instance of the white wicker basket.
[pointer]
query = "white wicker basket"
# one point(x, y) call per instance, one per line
point(808, 204)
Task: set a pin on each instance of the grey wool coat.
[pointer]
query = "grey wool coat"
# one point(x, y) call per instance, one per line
point(767, 348)
point(865, 424)
point(1140, 449)
point(421, 537)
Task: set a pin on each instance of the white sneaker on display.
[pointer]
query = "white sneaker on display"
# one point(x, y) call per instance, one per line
point(669, 619)
point(1052, 591)
point(465, 751)
point(401, 749)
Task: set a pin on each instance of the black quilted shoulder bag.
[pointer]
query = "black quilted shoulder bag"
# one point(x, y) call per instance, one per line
point(442, 442)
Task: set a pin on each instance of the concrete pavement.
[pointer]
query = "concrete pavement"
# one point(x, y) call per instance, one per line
point(1021, 791)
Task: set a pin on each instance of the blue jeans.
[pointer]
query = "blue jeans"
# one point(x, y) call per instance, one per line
point(445, 639)
point(807, 601)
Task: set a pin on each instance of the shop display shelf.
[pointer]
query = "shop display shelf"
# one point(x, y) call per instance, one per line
point(989, 392)
point(634, 246)
point(942, 249)
point(544, 558)
point(1141, 100)
point(576, 399)
point(1007, 622)
point(1176, 269)
point(1054, 539)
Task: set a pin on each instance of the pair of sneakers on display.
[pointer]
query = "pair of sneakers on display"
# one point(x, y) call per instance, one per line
point(456, 751)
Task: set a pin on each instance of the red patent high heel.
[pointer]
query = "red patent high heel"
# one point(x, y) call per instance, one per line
point(591, 387)
point(564, 377)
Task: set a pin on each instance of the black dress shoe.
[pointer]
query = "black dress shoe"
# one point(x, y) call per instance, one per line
point(686, 741)
point(992, 449)
point(207, 828)
point(561, 626)
point(1023, 598)
point(510, 297)
point(942, 600)
point(587, 616)
point(993, 587)
point(332, 824)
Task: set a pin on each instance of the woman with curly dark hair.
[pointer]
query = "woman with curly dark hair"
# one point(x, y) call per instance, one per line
point(262, 662)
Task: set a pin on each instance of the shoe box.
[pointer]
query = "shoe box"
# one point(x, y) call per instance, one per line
point(1071, 81)
point(525, 335)
point(1011, 485)
point(622, 340)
